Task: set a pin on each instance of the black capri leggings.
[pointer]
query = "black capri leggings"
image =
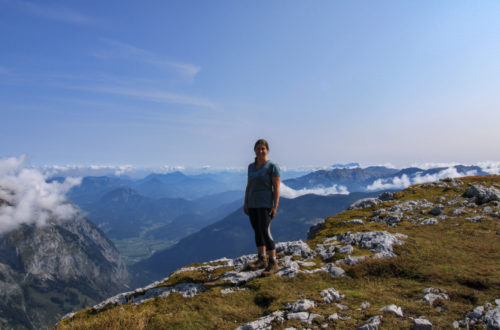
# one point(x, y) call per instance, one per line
point(261, 223)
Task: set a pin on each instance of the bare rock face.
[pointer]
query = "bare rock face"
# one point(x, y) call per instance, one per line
point(62, 266)
point(482, 194)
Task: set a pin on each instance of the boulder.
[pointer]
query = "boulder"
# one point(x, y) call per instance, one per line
point(364, 203)
point(422, 324)
point(373, 323)
point(482, 194)
point(436, 210)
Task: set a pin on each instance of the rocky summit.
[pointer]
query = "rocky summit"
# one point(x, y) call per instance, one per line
point(426, 257)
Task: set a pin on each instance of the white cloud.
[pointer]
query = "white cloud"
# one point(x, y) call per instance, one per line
point(405, 181)
point(28, 198)
point(121, 50)
point(150, 95)
point(288, 192)
point(490, 167)
point(177, 168)
point(86, 170)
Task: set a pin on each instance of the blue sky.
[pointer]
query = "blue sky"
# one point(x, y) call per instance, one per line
point(195, 83)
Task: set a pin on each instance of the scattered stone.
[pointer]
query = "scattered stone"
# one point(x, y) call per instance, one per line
point(392, 309)
point(326, 253)
point(342, 307)
point(453, 201)
point(187, 290)
point(440, 199)
point(352, 222)
point(492, 318)
point(422, 324)
point(231, 290)
point(334, 316)
point(364, 203)
point(429, 221)
point(302, 316)
point(455, 325)
point(482, 194)
point(237, 277)
point(331, 295)
point(364, 305)
point(497, 302)
point(477, 218)
point(436, 210)
point(431, 294)
point(351, 261)
point(263, 322)
point(373, 323)
point(296, 248)
point(347, 249)
point(477, 313)
point(487, 210)
point(301, 305)
point(334, 270)
point(377, 241)
point(458, 211)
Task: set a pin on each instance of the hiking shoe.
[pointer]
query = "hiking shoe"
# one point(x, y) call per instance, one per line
point(272, 267)
point(261, 262)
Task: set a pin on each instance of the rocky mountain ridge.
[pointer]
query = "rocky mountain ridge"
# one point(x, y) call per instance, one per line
point(423, 257)
point(46, 271)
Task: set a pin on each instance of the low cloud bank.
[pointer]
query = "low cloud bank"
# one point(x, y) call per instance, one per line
point(490, 167)
point(405, 180)
point(288, 192)
point(28, 198)
point(86, 170)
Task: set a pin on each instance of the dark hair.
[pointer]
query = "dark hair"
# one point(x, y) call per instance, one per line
point(263, 142)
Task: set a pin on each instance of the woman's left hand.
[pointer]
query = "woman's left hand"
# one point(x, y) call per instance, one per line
point(272, 213)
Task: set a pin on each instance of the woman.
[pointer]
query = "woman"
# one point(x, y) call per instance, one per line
point(261, 203)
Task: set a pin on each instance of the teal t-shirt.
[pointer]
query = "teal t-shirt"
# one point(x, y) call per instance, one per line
point(260, 191)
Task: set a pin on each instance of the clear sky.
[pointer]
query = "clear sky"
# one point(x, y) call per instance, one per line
point(195, 83)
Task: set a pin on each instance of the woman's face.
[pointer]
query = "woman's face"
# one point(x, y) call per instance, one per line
point(261, 151)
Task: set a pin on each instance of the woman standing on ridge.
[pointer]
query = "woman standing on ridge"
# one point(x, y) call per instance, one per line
point(261, 203)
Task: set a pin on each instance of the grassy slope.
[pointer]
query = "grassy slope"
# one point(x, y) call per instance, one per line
point(456, 255)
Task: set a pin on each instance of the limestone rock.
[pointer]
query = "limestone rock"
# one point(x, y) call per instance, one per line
point(331, 295)
point(364, 203)
point(351, 261)
point(296, 248)
point(300, 305)
point(263, 322)
point(302, 316)
point(377, 241)
point(482, 194)
point(429, 221)
point(431, 294)
point(422, 324)
point(392, 309)
point(373, 323)
point(347, 249)
point(492, 318)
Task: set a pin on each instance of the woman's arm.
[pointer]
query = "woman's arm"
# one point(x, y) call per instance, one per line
point(276, 195)
point(245, 205)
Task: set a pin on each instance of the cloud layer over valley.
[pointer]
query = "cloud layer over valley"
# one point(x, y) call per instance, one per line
point(403, 181)
point(26, 197)
point(288, 192)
